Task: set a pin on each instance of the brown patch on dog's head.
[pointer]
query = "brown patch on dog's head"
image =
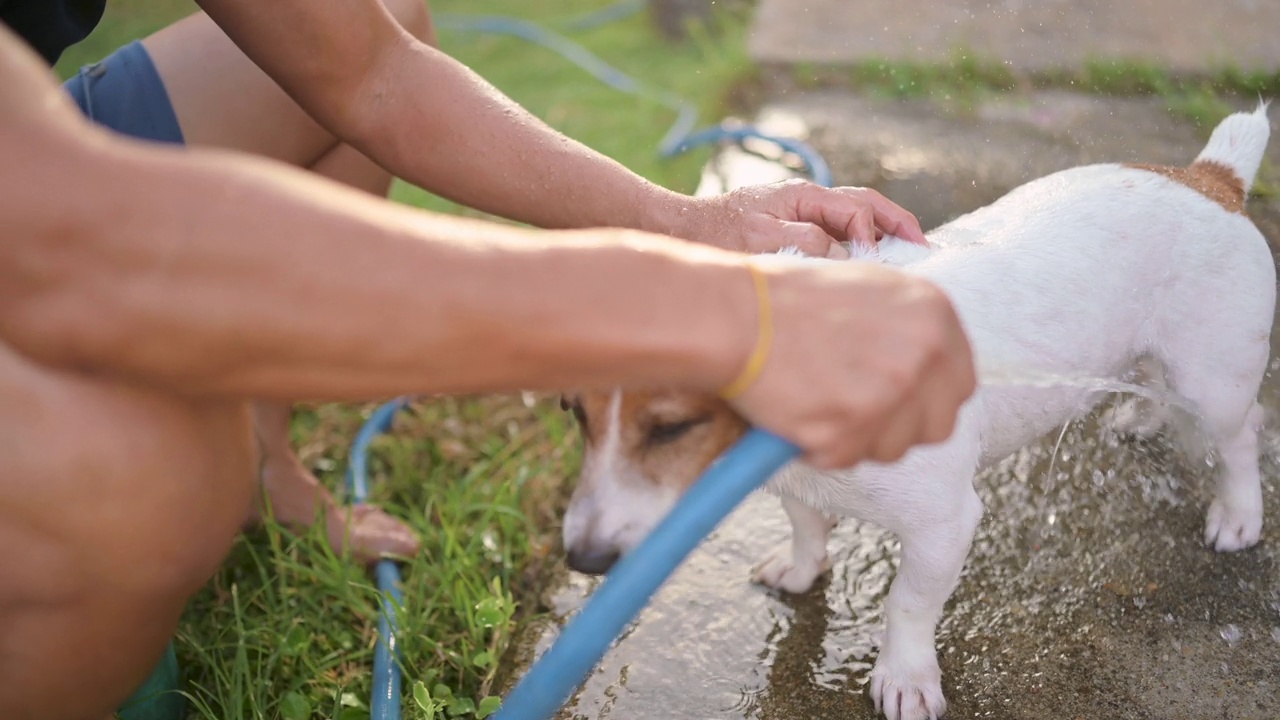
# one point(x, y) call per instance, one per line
point(642, 452)
point(668, 438)
point(1212, 179)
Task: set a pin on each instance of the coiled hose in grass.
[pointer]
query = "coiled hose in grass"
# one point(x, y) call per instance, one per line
point(384, 703)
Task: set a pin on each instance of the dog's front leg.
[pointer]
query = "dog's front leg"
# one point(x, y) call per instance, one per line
point(906, 683)
point(795, 566)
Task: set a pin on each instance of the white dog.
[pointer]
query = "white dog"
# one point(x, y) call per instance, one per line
point(1086, 272)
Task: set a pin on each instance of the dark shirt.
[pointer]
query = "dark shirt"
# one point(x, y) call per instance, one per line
point(51, 26)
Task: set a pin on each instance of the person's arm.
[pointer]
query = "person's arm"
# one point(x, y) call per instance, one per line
point(215, 274)
point(429, 119)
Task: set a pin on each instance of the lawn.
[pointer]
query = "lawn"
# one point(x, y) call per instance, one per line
point(286, 629)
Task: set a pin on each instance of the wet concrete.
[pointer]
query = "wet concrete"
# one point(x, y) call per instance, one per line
point(1088, 593)
point(1187, 37)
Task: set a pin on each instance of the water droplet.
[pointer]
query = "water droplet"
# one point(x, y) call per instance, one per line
point(1231, 634)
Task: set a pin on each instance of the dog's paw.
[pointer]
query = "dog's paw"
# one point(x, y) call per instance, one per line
point(908, 693)
point(783, 571)
point(1232, 526)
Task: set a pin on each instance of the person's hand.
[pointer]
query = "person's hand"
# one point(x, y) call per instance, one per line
point(767, 218)
point(865, 362)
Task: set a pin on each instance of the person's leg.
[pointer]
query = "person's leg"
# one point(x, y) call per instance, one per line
point(117, 504)
point(221, 99)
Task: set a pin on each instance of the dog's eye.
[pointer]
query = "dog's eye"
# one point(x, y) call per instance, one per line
point(665, 432)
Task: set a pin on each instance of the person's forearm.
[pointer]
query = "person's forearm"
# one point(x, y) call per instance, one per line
point(481, 149)
point(245, 278)
point(427, 118)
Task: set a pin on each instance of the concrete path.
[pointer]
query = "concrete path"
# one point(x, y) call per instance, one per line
point(1185, 36)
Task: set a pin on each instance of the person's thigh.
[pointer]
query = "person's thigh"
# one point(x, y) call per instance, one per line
point(116, 505)
point(222, 99)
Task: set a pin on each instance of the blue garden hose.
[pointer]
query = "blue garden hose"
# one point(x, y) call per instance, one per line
point(628, 587)
point(633, 581)
point(623, 594)
point(384, 703)
point(681, 136)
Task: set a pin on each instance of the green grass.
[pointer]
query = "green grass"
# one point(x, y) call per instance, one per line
point(624, 127)
point(967, 77)
point(287, 630)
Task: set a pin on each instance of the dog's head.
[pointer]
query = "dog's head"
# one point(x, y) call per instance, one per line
point(641, 452)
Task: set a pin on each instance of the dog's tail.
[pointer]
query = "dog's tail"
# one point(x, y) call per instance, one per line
point(1238, 143)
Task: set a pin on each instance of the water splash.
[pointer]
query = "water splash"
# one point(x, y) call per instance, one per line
point(1230, 633)
point(1011, 377)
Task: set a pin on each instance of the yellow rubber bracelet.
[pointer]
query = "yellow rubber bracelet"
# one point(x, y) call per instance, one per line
point(764, 338)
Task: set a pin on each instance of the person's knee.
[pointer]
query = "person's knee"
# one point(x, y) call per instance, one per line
point(414, 16)
point(54, 654)
point(128, 486)
point(127, 501)
point(98, 578)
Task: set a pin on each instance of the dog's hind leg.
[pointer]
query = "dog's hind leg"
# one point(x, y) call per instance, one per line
point(1234, 520)
point(1224, 387)
point(795, 566)
point(906, 683)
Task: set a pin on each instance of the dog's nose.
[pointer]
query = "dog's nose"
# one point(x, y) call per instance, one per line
point(592, 561)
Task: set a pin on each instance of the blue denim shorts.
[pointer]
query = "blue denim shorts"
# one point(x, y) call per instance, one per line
point(125, 93)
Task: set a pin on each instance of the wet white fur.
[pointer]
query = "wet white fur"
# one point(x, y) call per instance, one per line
point(1084, 272)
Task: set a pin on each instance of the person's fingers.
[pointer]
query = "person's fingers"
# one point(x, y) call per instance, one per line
point(863, 229)
point(952, 389)
point(899, 431)
point(938, 417)
point(842, 214)
point(835, 449)
point(807, 237)
point(946, 385)
point(889, 216)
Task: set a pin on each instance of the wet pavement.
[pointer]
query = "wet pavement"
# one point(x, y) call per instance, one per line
point(1088, 593)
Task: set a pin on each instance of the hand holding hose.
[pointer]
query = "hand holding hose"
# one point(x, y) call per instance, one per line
point(852, 361)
